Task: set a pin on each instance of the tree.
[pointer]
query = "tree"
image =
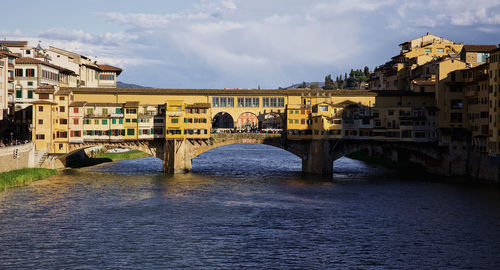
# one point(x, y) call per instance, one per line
point(302, 85)
point(329, 83)
point(314, 85)
point(367, 71)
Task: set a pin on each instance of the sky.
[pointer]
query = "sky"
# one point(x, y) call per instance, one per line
point(245, 43)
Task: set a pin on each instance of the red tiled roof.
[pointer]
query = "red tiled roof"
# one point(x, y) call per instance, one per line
point(29, 60)
point(8, 54)
point(13, 43)
point(110, 68)
point(479, 48)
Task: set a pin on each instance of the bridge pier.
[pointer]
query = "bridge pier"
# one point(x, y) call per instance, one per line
point(176, 156)
point(319, 158)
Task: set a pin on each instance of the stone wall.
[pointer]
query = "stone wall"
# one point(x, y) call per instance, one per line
point(17, 157)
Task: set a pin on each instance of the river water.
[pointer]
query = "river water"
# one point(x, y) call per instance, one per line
point(248, 206)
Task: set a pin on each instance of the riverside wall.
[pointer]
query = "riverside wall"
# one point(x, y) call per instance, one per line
point(17, 157)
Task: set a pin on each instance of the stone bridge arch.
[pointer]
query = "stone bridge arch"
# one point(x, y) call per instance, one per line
point(151, 147)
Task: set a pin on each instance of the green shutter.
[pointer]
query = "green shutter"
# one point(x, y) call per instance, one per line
point(121, 121)
point(113, 121)
point(19, 94)
point(30, 94)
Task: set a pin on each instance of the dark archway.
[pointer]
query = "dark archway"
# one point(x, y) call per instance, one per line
point(272, 121)
point(223, 120)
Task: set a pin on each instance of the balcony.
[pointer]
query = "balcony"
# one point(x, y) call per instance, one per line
point(93, 115)
point(471, 93)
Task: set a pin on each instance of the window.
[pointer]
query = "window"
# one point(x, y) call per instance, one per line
point(30, 83)
point(440, 50)
point(456, 104)
point(19, 72)
point(96, 122)
point(248, 102)
point(113, 121)
point(273, 102)
point(64, 121)
point(40, 136)
point(90, 111)
point(131, 111)
point(61, 109)
point(323, 108)
point(104, 111)
point(40, 121)
point(118, 110)
point(62, 134)
point(75, 133)
point(456, 117)
point(120, 121)
point(61, 98)
point(19, 93)
point(104, 121)
point(223, 102)
point(75, 121)
point(130, 131)
point(428, 50)
point(30, 72)
point(174, 120)
point(30, 93)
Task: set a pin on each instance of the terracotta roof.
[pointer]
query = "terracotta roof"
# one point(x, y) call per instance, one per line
point(63, 92)
point(44, 91)
point(110, 68)
point(132, 104)
point(105, 104)
point(29, 60)
point(13, 43)
point(77, 104)
point(8, 54)
point(479, 48)
point(44, 102)
point(217, 92)
point(401, 93)
point(198, 105)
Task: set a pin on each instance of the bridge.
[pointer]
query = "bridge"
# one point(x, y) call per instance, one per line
point(177, 125)
point(317, 156)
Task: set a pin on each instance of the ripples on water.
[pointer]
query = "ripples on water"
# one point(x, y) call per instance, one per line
point(247, 206)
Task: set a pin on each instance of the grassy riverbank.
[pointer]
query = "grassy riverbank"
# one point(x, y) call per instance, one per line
point(108, 157)
point(23, 177)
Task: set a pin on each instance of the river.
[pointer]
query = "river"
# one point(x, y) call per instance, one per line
point(248, 206)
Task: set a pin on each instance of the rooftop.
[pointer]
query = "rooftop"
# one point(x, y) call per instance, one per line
point(479, 48)
point(110, 68)
point(29, 60)
point(276, 92)
point(13, 43)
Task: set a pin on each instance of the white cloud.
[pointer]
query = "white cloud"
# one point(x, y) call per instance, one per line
point(238, 43)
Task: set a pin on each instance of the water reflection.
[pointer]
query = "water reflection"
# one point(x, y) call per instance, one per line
point(247, 207)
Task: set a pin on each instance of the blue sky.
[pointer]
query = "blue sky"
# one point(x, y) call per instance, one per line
point(245, 43)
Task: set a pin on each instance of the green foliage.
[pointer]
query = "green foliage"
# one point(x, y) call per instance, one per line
point(314, 86)
point(302, 85)
point(329, 85)
point(23, 177)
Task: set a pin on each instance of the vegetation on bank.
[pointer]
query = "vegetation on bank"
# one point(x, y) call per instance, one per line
point(404, 166)
point(107, 157)
point(23, 177)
